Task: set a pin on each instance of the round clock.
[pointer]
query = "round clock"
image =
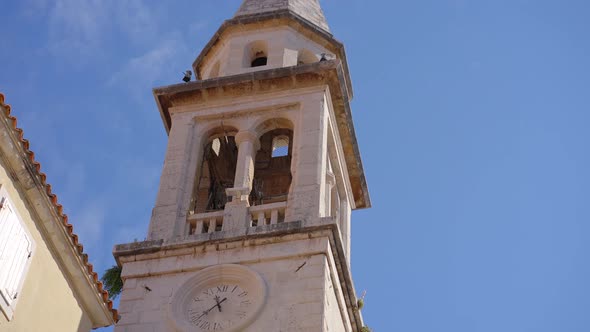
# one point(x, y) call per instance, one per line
point(223, 298)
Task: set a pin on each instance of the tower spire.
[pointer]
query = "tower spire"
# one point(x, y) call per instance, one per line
point(310, 10)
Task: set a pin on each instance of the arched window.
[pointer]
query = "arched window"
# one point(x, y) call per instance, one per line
point(280, 146)
point(272, 171)
point(256, 54)
point(216, 174)
point(260, 59)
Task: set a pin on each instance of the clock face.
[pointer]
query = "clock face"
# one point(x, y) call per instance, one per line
point(222, 298)
point(220, 307)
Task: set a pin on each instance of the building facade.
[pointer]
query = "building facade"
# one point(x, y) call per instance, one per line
point(251, 226)
point(46, 281)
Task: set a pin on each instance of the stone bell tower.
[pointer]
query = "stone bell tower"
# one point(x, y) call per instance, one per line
point(251, 226)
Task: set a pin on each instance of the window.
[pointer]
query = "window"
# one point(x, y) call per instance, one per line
point(260, 59)
point(16, 248)
point(256, 54)
point(280, 146)
point(217, 172)
point(272, 171)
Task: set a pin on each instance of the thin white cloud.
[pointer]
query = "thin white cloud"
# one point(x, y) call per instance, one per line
point(140, 74)
point(76, 27)
point(79, 30)
point(136, 20)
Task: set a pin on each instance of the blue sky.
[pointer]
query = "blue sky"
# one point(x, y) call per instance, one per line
point(472, 118)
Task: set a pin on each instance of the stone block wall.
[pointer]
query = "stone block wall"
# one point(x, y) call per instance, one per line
point(300, 295)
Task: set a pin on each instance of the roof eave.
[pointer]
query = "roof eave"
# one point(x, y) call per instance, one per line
point(54, 222)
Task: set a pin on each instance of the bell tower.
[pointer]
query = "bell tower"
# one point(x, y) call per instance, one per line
point(251, 226)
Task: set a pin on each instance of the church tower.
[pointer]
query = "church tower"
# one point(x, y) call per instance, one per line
point(251, 226)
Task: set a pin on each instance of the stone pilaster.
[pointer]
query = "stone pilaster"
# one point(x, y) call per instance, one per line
point(236, 211)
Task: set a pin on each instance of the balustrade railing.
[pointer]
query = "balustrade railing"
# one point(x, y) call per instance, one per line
point(268, 214)
point(210, 222)
point(202, 223)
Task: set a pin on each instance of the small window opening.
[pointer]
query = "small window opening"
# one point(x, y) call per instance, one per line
point(260, 59)
point(280, 146)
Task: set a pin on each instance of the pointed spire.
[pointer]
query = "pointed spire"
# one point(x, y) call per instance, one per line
point(310, 10)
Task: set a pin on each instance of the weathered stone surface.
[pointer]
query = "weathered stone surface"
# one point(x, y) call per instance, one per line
point(308, 9)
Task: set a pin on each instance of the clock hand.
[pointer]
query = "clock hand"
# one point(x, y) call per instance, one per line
point(218, 303)
point(206, 312)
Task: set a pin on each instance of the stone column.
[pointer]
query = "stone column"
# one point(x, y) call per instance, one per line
point(307, 196)
point(168, 219)
point(236, 211)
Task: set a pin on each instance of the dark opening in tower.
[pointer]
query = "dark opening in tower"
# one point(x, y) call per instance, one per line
point(259, 60)
point(272, 172)
point(217, 174)
point(256, 54)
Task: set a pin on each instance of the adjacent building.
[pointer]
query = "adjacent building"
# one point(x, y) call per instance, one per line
point(46, 281)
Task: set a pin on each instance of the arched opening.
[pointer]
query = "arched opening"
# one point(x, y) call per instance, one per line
point(260, 59)
point(272, 171)
point(217, 174)
point(306, 56)
point(280, 146)
point(256, 54)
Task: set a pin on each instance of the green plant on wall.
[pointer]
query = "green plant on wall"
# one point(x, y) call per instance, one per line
point(112, 282)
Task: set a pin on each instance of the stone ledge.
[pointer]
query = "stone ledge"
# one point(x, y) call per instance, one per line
point(151, 247)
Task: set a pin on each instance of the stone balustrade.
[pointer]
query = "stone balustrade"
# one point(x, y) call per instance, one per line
point(268, 214)
point(210, 222)
point(202, 223)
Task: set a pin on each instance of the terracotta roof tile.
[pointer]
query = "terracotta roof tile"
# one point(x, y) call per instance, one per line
point(64, 218)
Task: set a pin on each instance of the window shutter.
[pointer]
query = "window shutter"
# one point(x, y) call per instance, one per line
point(15, 250)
